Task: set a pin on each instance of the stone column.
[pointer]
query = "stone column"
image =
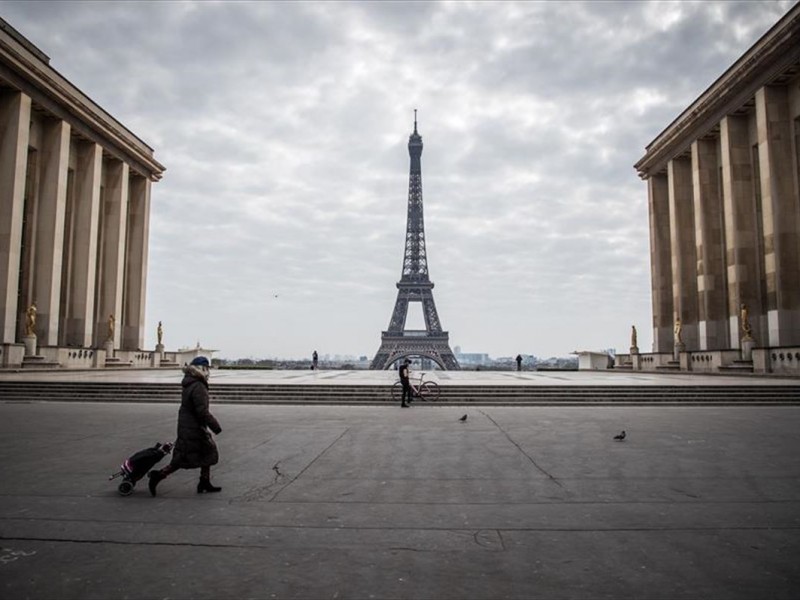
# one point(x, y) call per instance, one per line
point(50, 229)
point(741, 235)
point(15, 116)
point(710, 246)
point(112, 254)
point(660, 262)
point(136, 263)
point(80, 325)
point(781, 216)
point(684, 249)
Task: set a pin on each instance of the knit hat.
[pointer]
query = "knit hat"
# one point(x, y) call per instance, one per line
point(200, 361)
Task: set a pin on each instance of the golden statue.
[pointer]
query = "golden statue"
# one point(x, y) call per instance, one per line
point(633, 336)
point(744, 317)
point(678, 328)
point(30, 320)
point(111, 324)
point(159, 333)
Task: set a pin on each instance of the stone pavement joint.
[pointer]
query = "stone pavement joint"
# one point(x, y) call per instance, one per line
point(528, 456)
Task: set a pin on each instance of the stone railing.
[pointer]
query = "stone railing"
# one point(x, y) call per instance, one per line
point(710, 361)
point(781, 361)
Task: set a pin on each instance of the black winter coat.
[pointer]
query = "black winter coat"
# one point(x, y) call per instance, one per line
point(194, 447)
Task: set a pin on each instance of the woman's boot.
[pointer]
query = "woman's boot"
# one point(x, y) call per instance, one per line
point(155, 477)
point(204, 484)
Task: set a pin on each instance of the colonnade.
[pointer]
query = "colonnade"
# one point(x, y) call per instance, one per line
point(725, 229)
point(73, 234)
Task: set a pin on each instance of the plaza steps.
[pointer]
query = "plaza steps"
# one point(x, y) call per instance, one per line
point(38, 362)
point(673, 365)
point(17, 391)
point(738, 366)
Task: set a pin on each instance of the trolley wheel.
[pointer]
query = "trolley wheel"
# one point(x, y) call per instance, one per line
point(397, 391)
point(125, 488)
point(429, 391)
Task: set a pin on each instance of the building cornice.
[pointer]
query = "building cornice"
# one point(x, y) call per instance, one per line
point(777, 51)
point(53, 91)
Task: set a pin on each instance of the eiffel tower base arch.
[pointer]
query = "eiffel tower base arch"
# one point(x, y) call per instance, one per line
point(398, 346)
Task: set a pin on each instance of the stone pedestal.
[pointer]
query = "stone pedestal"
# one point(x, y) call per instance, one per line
point(30, 345)
point(111, 360)
point(160, 350)
point(634, 350)
point(747, 348)
point(676, 351)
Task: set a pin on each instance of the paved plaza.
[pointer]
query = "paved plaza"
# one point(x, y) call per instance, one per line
point(378, 502)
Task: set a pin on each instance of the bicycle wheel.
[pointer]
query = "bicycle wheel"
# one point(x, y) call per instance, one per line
point(429, 391)
point(397, 391)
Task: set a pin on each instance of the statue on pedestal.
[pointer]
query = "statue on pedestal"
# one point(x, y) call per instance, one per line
point(30, 320)
point(159, 333)
point(111, 326)
point(634, 341)
point(30, 330)
point(744, 318)
point(678, 328)
point(747, 341)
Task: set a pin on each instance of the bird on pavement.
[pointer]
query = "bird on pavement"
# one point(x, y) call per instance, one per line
point(620, 436)
point(464, 418)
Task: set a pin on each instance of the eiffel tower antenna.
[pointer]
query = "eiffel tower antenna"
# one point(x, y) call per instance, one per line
point(415, 286)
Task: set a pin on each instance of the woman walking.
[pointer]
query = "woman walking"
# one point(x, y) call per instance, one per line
point(194, 447)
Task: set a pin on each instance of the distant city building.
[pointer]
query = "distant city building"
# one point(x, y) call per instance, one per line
point(593, 361)
point(74, 219)
point(473, 358)
point(187, 354)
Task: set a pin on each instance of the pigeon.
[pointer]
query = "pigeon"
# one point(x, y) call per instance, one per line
point(620, 436)
point(464, 418)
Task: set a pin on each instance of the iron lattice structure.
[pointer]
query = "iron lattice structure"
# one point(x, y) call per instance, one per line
point(415, 286)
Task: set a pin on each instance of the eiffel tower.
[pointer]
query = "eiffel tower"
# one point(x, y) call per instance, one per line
point(415, 286)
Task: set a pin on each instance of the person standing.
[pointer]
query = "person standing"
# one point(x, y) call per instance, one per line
point(314, 360)
point(519, 362)
point(194, 448)
point(405, 381)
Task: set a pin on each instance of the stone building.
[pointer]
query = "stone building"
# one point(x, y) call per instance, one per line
point(74, 218)
point(724, 203)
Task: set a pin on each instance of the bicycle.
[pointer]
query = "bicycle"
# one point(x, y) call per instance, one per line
point(427, 391)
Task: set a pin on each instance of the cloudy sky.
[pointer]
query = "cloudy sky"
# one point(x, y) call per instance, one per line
point(279, 225)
